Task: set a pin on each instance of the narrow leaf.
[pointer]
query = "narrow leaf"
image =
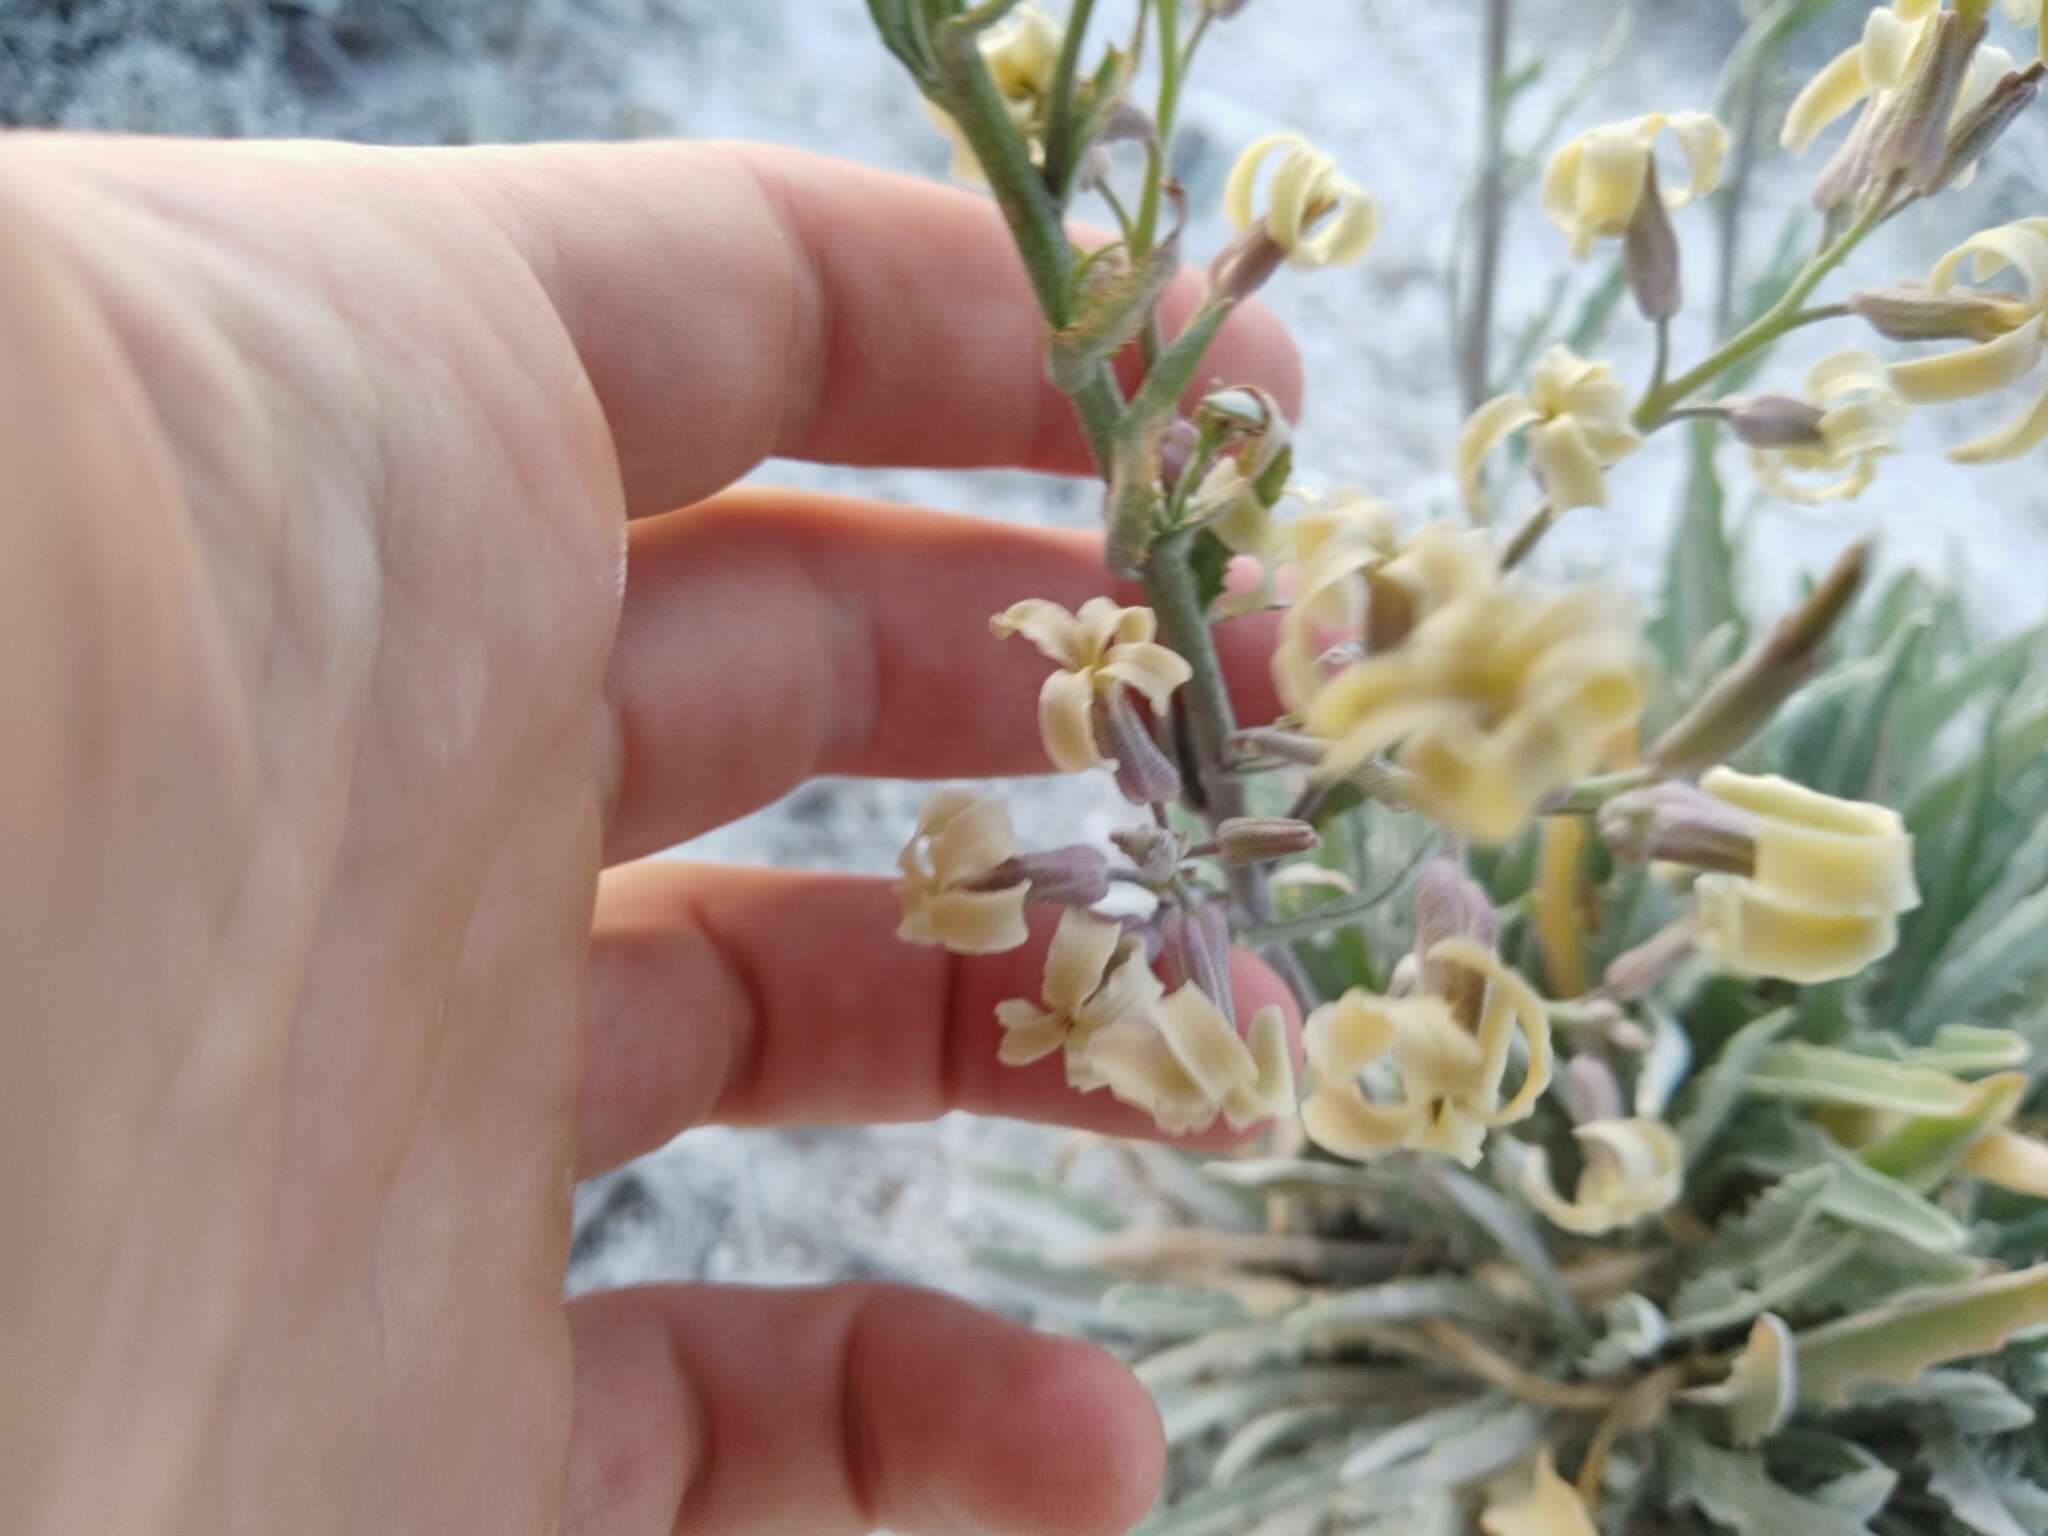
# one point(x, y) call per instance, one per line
point(1898, 1342)
point(1819, 1074)
point(1956, 1475)
point(1717, 1090)
point(1734, 1490)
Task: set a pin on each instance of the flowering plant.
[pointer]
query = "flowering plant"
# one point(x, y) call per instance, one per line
point(1669, 1149)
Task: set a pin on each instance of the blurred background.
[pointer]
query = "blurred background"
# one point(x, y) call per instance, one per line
point(1395, 92)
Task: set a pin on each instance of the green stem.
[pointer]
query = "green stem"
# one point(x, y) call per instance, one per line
point(1168, 12)
point(1785, 315)
point(1061, 151)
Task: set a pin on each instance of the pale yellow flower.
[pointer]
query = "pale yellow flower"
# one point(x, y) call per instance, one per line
point(1497, 699)
point(2034, 14)
point(1830, 878)
point(960, 839)
point(1632, 1168)
point(1593, 184)
point(1545, 1505)
point(1022, 52)
point(2022, 248)
point(1880, 61)
point(1185, 1065)
point(1450, 1075)
point(1083, 991)
point(2011, 1161)
point(1860, 419)
point(1099, 649)
point(1577, 416)
point(1358, 586)
point(1314, 213)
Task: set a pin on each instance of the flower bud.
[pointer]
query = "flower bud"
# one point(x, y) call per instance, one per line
point(1175, 450)
point(1911, 312)
point(1984, 124)
point(1156, 851)
point(1261, 839)
point(1679, 823)
point(1743, 700)
point(1777, 421)
point(1194, 946)
point(1649, 253)
point(1144, 774)
point(1075, 876)
point(1913, 136)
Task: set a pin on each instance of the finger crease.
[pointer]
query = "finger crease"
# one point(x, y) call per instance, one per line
point(856, 1448)
point(951, 1064)
point(744, 1066)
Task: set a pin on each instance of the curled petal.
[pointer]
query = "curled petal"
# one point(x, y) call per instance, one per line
point(1633, 1168)
point(1029, 1033)
point(1045, 624)
point(1753, 935)
point(1066, 722)
point(1132, 1060)
point(1244, 175)
point(1204, 1044)
point(1345, 1037)
point(1149, 668)
point(2021, 246)
point(1342, 1120)
point(1550, 1506)
point(1081, 949)
point(1511, 1004)
point(1270, 1094)
point(1819, 851)
point(1566, 465)
point(1485, 430)
point(2023, 435)
point(1889, 44)
point(972, 922)
point(1102, 623)
point(1831, 94)
point(1971, 371)
point(972, 840)
point(1345, 234)
point(1704, 143)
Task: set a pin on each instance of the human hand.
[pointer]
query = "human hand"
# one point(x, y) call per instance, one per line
point(326, 696)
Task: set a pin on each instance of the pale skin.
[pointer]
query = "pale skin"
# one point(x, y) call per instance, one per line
point(351, 645)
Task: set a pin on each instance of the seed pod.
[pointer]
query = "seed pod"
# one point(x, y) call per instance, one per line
point(1776, 421)
point(1911, 312)
point(1649, 254)
point(1144, 774)
point(1245, 840)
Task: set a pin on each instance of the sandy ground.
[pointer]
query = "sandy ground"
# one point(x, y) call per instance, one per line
point(1390, 89)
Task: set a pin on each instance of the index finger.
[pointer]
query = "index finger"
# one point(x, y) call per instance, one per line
point(733, 302)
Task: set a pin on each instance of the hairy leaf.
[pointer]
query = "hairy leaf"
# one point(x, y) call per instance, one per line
point(1896, 1343)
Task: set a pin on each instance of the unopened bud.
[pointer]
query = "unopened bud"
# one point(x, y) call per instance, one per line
point(1194, 945)
point(1776, 421)
point(1076, 876)
point(1155, 850)
point(1636, 971)
point(1848, 168)
point(1175, 450)
point(1261, 839)
point(1242, 267)
point(1910, 312)
point(1449, 904)
point(1914, 134)
point(1679, 823)
point(1745, 698)
point(1144, 774)
point(1590, 1091)
point(1984, 124)
point(1649, 254)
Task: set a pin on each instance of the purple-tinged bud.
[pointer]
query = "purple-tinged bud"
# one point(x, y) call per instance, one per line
point(1449, 904)
point(1776, 421)
point(1144, 774)
point(1649, 254)
point(1910, 312)
point(1634, 972)
point(1175, 450)
point(1242, 840)
point(1680, 824)
point(1984, 124)
point(1242, 267)
point(1075, 876)
point(1590, 1091)
point(1194, 945)
point(1745, 698)
point(1914, 133)
point(1157, 851)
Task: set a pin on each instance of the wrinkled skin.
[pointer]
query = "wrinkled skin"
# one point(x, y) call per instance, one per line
point(346, 635)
